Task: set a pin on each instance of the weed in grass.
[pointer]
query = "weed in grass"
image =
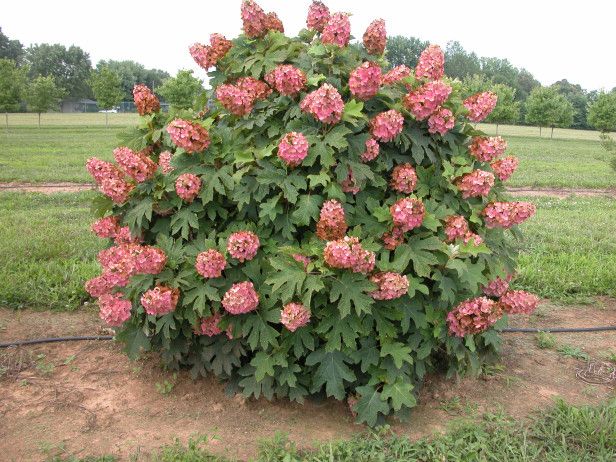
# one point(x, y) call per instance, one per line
point(545, 340)
point(569, 351)
point(43, 366)
point(167, 386)
point(69, 360)
point(609, 355)
point(491, 370)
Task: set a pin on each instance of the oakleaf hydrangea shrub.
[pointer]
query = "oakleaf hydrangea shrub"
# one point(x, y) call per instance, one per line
point(318, 224)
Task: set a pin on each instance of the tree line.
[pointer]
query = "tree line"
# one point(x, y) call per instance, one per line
point(41, 75)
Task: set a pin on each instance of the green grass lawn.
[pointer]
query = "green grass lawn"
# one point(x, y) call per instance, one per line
point(569, 248)
point(58, 151)
point(47, 250)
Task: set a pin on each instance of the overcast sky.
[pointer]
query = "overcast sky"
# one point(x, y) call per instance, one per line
point(552, 39)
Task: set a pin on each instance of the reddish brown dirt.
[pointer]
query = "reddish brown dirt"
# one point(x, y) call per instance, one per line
point(100, 402)
point(51, 188)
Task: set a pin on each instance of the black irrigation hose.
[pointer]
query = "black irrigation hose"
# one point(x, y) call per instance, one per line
point(505, 330)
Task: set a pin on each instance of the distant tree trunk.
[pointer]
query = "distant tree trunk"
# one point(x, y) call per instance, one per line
point(552, 134)
point(106, 120)
point(539, 131)
point(496, 129)
point(39, 119)
point(6, 116)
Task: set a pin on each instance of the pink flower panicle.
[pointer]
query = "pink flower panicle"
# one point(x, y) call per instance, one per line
point(148, 259)
point(101, 170)
point(164, 162)
point(294, 315)
point(441, 121)
point(375, 37)
point(273, 22)
point(519, 302)
point(293, 149)
point(137, 165)
point(145, 100)
point(208, 326)
point(372, 150)
point(121, 262)
point(473, 316)
point(473, 239)
point(480, 105)
point(124, 236)
point(303, 259)
point(475, 184)
point(431, 64)
point(243, 245)
point(403, 178)
point(187, 186)
point(254, 19)
point(347, 253)
point(396, 74)
point(241, 298)
point(114, 310)
point(287, 79)
point(190, 136)
point(391, 286)
point(238, 102)
point(486, 149)
point(407, 213)
point(207, 56)
point(505, 167)
point(256, 89)
point(365, 80)
point(106, 227)
point(349, 184)
point(332, 223)
point(497, 286)
point(337, 30)
point(160, 300)
point(100, 285)
point(393, 238)
point(456, 227)
point(426, 100)
point(318, 15)
point(507, 214)
point(210, 264)
point(387, 125)
point(324, 104)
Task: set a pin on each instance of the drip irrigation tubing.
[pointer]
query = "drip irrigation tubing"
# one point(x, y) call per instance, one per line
point(507, 330)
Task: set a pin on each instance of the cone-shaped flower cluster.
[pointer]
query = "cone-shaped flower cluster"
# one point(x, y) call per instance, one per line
point(137, 165)
point(431, 64)
point(473, 316)
point(375, 37)
point(403, 178)
point(480, 105)
point(240, 97)
point(425, 100)
point(504, 168)
point(337, 30)
point(243, 245)
point(145, 101)
point(486, 149)
point(294, 315)
point(332, 224)
point(110, 180)
point(475, 184)
point(114, 310)
point(106, 227)
point(407, 213)
point(519, 302)
point(391, 286)
point(497, 286)
point(187, 186)
point(209, 326)
point(441, 121)
point(241, 298)
point(286, 79)
point(210, 264)
point(456, 227)
point(387, 125)
point(256, 22)
point(365, 80)
point(507, 214)
point(318, 15)
point(347, 253)
point(207, 56)
point(372, 150)
point(190, 136)
point(160, 300)
point(396, 74)
point(324, 104)
point(164, 162)
point(293, 149)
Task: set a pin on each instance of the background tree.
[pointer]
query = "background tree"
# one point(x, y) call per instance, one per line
point(131, 73)
point(507, 110)
point(602, 112)
point(107, 90)
point(182, 90)
point(13, 80)
point(579, 100)
point(476, 83)
point(43, 95)
point(546, 107)
point(70, 67)
point(459, 63)
point(11, 49)
point(404, 50)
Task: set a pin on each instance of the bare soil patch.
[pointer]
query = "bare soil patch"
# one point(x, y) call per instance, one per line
point(561, 193)
point(46, 188)
point(88, 398)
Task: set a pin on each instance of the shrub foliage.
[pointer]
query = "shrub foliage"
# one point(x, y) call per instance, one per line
point(315, 225)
